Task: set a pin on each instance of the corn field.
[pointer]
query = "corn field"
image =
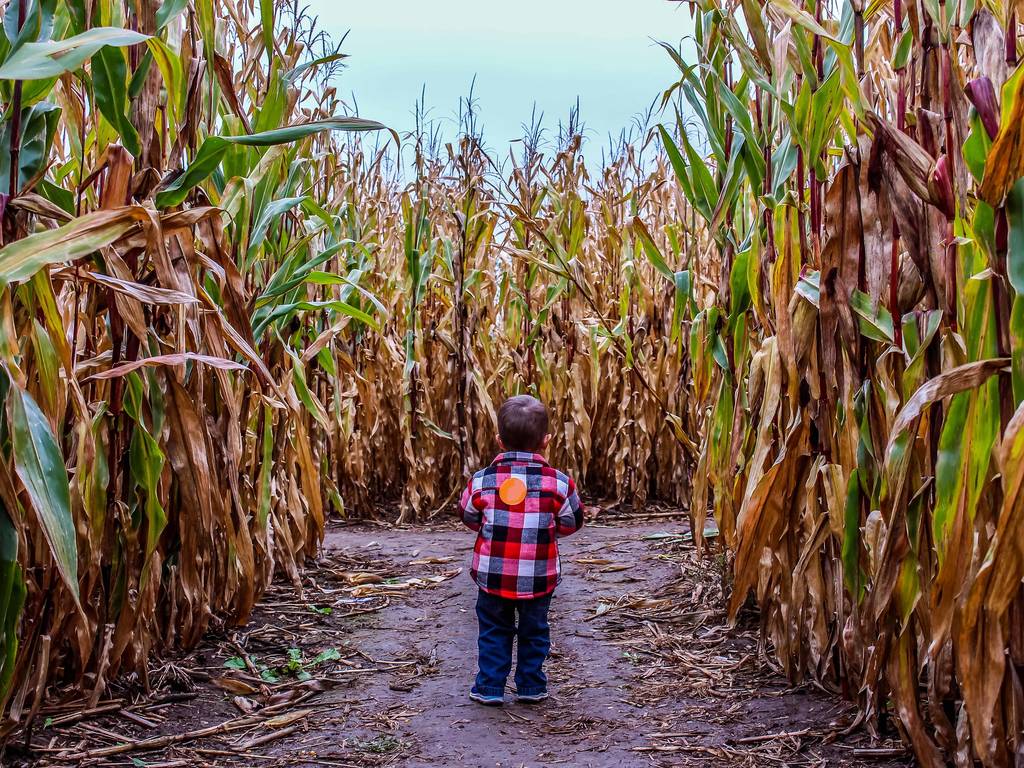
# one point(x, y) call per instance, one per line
point(864, 349)
point(793, 305)
point(224, 321)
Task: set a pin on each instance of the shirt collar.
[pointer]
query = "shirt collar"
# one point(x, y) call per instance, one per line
point(520, 457)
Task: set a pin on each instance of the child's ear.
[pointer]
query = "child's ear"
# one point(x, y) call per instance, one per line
point(546, 441)
point(501, 444)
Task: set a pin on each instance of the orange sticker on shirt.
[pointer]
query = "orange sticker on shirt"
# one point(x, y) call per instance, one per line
point(512, 491)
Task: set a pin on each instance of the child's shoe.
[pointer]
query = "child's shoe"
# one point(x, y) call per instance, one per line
point(533, 698)
point(487, 701)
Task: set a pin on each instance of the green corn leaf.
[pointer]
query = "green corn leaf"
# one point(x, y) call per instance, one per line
point(294, 75)
point(976, 148)
point(292, 133)
point(683, 301)
point(852, 574)
point(678, 163)
point(38, 24)
point(916, 343)
point(946, 384)
point(809, 288)
point(38, 61)
point(140, 75)
point(109, 73)
point(49, 366)
point(267, 24)
point(950, 471)
point(801, 116)
point(729, 189)
point(207, 18)
point(266, 468)
point(12, 599)
point(905, 46)
point(652, 251)
point(40, 466)
point(731, 30)
point(739, 285)
point(741, 115)
point(59, 196)
point(341, 307)
point(270, 213)
point(706, 110)
point(1015, 251)
point(1015, 271)
point(96, 479)
point(169, 11)
point(306, 397)
point(875, 321)
point(39, 127)
point(169, 64)
point(147, 462)
point(436, 429)
point(784, 162)
point(212, 152)
point(719, 352)
point(206, 161)
point(1017, 348)
point(705, 192)
point(908, 591)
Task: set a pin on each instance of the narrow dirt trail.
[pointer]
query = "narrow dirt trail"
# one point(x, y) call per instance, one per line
point(642, 671)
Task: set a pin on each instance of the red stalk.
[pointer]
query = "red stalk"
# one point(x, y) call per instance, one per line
point(16, 119)
point(894, 253)
point(947, 99)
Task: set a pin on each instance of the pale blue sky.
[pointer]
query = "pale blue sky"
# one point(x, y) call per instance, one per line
point(525, 51)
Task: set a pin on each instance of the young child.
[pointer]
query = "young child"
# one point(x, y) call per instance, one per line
point(520, 506)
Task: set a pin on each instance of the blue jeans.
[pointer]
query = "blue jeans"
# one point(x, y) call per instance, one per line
point(497, 617)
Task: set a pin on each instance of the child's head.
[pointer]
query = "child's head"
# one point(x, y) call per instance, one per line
point(523, 424)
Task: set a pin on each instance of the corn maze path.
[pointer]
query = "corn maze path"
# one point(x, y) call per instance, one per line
point(371, 666)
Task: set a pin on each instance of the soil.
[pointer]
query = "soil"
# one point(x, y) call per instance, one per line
point(643, 671)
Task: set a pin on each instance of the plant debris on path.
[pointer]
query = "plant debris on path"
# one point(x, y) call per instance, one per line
point(370, 666)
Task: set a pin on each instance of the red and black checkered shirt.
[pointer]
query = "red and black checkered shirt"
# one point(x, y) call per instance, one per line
point(516, 553)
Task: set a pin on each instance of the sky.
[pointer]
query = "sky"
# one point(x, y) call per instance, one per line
point(522, 53)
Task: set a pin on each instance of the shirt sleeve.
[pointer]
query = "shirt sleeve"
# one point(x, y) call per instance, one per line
point(570, 516)
point(471, 516)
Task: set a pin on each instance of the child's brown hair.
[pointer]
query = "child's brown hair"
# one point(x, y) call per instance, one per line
point(522, 423)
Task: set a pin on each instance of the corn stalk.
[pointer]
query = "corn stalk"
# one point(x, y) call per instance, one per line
point(862, 185)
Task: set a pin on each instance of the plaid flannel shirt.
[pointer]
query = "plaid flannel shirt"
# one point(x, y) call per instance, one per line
point(516, 552)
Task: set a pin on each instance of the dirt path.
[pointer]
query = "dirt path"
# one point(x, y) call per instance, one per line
point(642, 671)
